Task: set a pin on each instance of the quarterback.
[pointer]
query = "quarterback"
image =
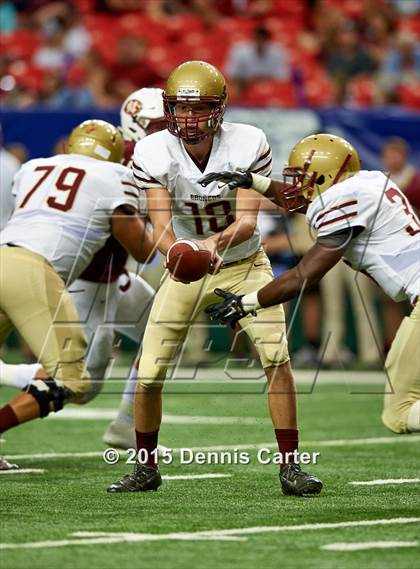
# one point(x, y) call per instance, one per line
point(363, 218)
point(108, 298)
point(168, 166)
point(66, 208)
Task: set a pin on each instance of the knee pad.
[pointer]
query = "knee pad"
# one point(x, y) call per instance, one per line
point(395, 422)
point(273, 350)
point(96, 383)
point(49, 395)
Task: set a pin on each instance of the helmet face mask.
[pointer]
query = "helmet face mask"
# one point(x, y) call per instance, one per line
point(142, 114)
point(194, 101)
point(97, 139)
point(316, 163)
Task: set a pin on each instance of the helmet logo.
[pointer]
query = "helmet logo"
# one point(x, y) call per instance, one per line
point(133, 107)
point(188, 92)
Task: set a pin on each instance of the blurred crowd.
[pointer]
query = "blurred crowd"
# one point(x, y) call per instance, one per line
point(82, 53)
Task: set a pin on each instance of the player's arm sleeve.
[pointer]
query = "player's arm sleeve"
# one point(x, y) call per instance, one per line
point(344, 213)
point(127, 193)
point(262, 164)
point(145, 170)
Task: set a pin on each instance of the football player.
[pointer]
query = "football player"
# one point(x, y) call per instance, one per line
point(361, 217)
point(66, 208)
point(168, 166)
point(107, 297)
point(141, 114)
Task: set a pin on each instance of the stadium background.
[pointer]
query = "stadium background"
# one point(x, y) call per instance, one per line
point(351, 67)
point(58, 67)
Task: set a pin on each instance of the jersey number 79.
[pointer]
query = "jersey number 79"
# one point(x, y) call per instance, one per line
point(68, 181)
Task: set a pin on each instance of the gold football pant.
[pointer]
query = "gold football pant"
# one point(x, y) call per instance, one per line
point(33, 300)
point(177, 305)
point(403, 367)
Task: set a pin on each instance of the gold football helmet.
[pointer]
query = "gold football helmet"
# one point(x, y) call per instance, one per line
point(319, 161)
point(195, 82)
point(97, 139)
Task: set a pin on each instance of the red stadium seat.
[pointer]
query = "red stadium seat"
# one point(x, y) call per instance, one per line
point(410, 95)
point(140, 25)
point(21, 44)
point(318, 90)
point(270, 92)
point(362, 91)
point(410, 25)
point(27, 76)
point(105, 34)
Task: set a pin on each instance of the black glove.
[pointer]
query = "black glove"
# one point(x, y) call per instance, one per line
point(229, 311)
point(233, 180)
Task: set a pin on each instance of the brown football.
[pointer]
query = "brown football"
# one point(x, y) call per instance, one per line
point(187, 262)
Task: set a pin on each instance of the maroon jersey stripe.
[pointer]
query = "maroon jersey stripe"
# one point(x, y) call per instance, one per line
point(340, 206)
point(262, 167)
point(329, 221)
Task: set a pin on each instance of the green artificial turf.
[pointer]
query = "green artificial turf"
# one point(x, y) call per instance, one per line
point(70, 496)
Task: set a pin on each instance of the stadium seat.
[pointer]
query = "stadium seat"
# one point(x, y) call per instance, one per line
point(270, 93)
point(20, 44)
point(28, 76)
point(362, 91)
point(410, 95)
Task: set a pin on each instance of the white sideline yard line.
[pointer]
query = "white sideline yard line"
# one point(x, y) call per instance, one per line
point(368, 545)
point(109, 414)
point(385, 481)
point(23, 471)
point(240, 375)
point(327, 443)
point(195, 476)
point(95, 538)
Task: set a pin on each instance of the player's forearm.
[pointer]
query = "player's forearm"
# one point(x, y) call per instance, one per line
point(284, 288)
point(275, 191)
point(313, 266)
point(239, 231)
point(164, 237)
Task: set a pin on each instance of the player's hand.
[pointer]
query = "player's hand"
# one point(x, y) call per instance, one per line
point(230, 311)
point(216, 259)
point(233, 180)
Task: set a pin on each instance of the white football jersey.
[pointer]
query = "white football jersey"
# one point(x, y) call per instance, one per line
point(161, 161)
point(388, 248)
point(63, 209)
point(9, 165)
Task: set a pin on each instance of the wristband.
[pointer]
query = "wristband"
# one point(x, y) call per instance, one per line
point(250, 301)
point(260, 183)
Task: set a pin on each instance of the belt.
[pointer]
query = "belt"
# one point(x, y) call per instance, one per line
point(240, 261)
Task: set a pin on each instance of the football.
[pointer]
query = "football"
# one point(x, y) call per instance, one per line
point(187, 262)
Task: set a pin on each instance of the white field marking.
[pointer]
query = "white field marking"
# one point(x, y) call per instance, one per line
point(23, 471)
point(385, 481)
point(195, 476)
point(92, 414)
point(327, 443)
point(368, 545)
point(234, 375)
point(95, 538)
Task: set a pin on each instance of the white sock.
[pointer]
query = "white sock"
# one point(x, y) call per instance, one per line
point(126, 408)
point(130, 386)
point(18, 375)
point(413, 419)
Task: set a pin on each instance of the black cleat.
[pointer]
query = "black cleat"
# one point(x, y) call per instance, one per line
point(144, 478)
point(298, 483)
